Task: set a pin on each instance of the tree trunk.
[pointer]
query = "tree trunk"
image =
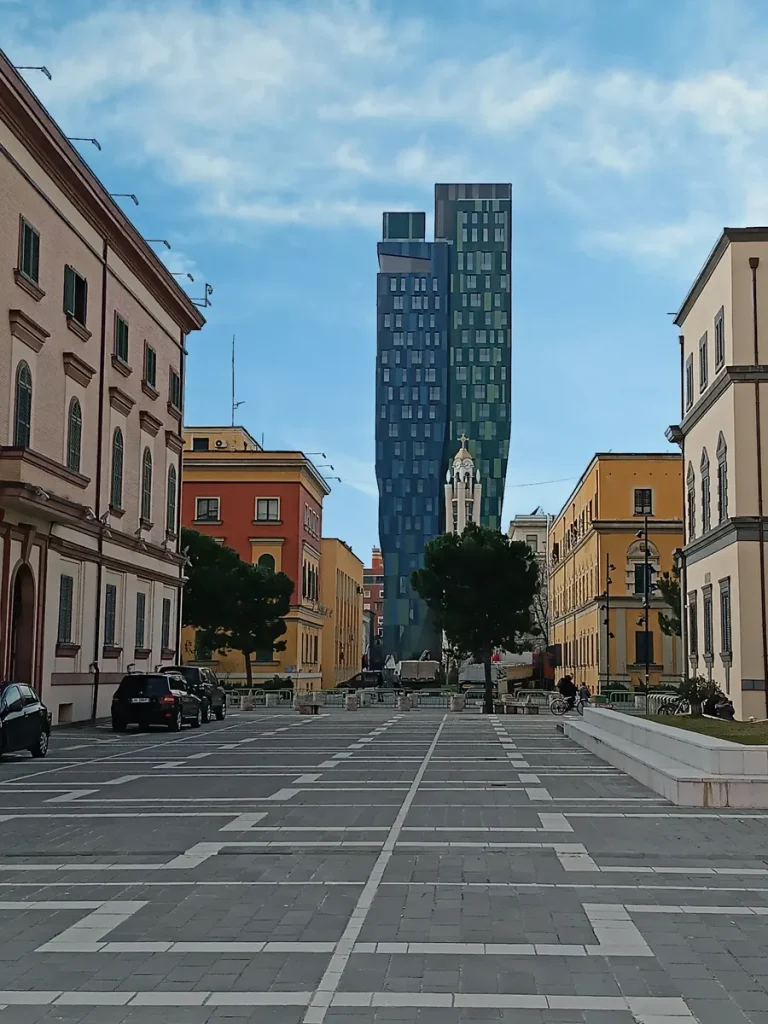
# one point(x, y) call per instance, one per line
point(488, 702)
point(248, 669)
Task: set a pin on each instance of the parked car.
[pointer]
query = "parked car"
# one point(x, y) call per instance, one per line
point(25, 722)
point(146, 699)
point(362, 680)
point(202, 682)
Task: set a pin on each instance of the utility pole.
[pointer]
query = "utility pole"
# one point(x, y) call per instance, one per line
point(235, 405)
point(647, 603)
point(609, 567)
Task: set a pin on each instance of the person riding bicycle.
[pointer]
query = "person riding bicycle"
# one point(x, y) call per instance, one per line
point(568, 691)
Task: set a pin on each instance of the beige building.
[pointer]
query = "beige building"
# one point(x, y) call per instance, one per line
point(597, 570)
point(724, 438)
point(533, 530)
point(92, 343)
point(341, 592)
point(463, 491)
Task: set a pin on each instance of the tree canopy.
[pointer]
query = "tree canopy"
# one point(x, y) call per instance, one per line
point(480, 586)
point(234, 605)
point(668, 586)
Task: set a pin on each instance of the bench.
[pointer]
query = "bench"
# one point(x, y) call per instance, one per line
point(514, 707)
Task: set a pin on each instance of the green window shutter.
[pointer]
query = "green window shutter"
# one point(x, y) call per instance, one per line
point(74, 438)
point(141, 611)
point(69, 291)
point(66, 589)
point(35, 269)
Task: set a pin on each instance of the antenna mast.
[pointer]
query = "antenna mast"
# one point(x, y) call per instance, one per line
point(235, 405)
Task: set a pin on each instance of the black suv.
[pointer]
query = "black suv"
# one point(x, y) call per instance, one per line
point(25, 722)
point(202, 682)
point(154, 699)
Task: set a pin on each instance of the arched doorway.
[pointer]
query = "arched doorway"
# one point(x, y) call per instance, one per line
point(22, 626)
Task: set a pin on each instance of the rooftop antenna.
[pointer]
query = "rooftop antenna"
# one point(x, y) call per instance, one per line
point(235, 405)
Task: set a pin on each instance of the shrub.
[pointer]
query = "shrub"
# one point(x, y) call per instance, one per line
point(696, 690)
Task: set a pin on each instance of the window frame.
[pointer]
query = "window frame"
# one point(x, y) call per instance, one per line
point(150, 360)
point(726, 617)
point(116, 470)
point(174, 389)
point(640, 510)
point(66, 612)
point(22, 416)
point(146, 485)
point(267, 518)
point(74, 435)
point(722, 479)
point(689, 382)
point(141, 603)
point(719, 333)
point(110, 615)
point(171, 500)
point(709, 622)
point(207, 519)
point(693, 624)
point(71, 280)
point(165, 624)
point(703, 363)
point(120, 337)
point(33, 274)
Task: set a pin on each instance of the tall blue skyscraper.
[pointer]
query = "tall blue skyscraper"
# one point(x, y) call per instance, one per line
point(442, 370)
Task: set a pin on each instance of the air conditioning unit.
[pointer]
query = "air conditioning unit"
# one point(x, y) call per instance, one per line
point(221, 444)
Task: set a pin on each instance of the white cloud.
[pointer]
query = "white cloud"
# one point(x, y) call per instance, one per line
point(302, 114)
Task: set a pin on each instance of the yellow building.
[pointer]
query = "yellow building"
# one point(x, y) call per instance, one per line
point(268, 506)
point(596, 546)
point(341, 592)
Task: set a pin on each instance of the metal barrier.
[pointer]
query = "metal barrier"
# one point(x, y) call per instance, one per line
point(541, 697)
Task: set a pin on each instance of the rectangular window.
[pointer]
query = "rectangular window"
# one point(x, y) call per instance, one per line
point(643, 501)
point(387, 319)
point(150, 366)
point(640, 640)
point(207, 510)
point(29, 252)
point(121, 339)
point(165, 626)
point(268, 510)
point(141, 619)
point(393, 284)
point(720, 339)
point(703, 362)
point(725, 616)
point(174, 390)
point(709, 644)
point(110, 614)
point(689, 382)
point(693, 624)
point(75, 295)
point(66, 597)
point(640, 577)
point(532, 541)
point(434, 394)
point(706, 514)
point(200, 444)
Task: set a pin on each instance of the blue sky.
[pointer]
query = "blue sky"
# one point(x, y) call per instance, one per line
point(265, 138)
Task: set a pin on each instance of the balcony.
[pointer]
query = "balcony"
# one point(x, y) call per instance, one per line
point(27, 476)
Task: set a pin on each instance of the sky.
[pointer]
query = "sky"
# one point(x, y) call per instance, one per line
point(264, 138)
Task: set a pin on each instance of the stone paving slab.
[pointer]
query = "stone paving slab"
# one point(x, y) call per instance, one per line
point(370, 867)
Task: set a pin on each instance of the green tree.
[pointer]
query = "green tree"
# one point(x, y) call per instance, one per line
point(232, 604)
point(480, 587)
point(668, 586)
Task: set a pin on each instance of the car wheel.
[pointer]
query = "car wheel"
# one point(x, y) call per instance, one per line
point(197, 720)
point(178, 721)
point(221, 713)
point(206, 714)
point(118, 726)
point(40, 749)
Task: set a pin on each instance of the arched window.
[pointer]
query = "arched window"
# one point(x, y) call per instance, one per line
point(170, 506)
point(722, 479)
point(74, 435)
point(267, 562)
point(706, 502)
point(146, 486)
point(22, 427)
point(691, 486)
point(116, 485)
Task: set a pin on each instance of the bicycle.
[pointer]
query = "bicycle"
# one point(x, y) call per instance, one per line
point(559, 705)
point(675, 706)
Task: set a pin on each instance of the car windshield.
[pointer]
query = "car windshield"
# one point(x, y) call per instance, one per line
point(143, 686)
point(190, 674)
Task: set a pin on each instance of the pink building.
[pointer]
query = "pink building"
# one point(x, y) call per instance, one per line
point(92, 334)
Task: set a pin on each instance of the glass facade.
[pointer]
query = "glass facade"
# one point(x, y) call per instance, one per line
point(442, 370)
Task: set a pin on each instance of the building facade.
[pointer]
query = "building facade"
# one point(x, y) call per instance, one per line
point(723, 433)
point(268, 507)
point(442, 370)
point(93, 331)
point(533, 530)
point(341, 591)
point(373, 591)
point(597, 548)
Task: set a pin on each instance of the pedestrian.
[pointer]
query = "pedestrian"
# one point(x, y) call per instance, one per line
point(585, 693)
point(568, 690)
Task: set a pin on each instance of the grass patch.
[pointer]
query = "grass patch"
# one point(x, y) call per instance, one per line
point(736, 732)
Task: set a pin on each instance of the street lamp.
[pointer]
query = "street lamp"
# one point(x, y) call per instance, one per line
point(80, 138)
point(38, 67)
point(159, 241)
point(648, 587)
point(609, 568)
point(125, 195)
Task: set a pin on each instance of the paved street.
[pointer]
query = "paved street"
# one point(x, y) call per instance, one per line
point(369, 867)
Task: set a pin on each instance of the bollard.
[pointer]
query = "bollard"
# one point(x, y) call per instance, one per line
point(403, 702)
point(366, 698)
point(247, 702)
point(350, 702)
point(457, 702)
point(270, 700)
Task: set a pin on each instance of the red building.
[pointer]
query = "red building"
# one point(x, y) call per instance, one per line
point(373, 590)
point(266, 505)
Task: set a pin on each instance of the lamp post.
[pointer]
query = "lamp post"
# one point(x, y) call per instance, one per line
point(648, 588)
point(609, 568)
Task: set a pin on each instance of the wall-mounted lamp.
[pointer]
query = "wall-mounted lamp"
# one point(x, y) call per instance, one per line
point(322, 454)
point(327, 478)
point(125, 195)
point(80, 138)
point(35, 67)
point(206, 299)
point(159, 241)
point(181, 273)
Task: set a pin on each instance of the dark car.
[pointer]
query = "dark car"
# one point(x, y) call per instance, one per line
point(154, 699)
point(25, 722)
point(202, 682)
point(364, 680)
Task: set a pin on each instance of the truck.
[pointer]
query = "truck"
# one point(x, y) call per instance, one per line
point(415, 675)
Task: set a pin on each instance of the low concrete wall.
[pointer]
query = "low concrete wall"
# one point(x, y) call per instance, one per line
point(689, 769)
